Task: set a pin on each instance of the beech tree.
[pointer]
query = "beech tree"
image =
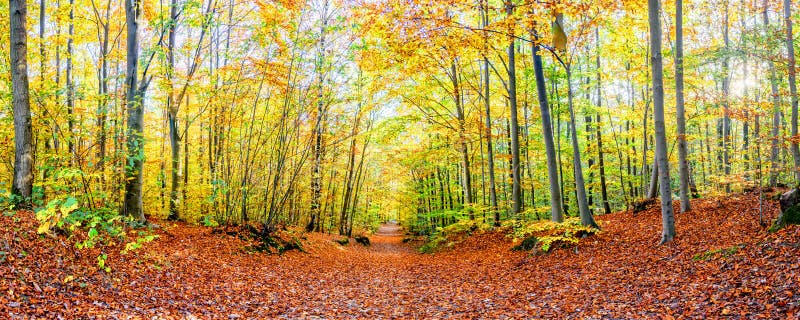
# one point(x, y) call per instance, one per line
point(656, 64)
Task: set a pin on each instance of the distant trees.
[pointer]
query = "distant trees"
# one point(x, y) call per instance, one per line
point(331, 116)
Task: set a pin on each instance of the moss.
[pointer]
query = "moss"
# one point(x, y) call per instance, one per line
point(790, 216)
point(526, 245)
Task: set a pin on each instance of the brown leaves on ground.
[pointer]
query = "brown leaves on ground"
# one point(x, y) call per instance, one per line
point(722, 263)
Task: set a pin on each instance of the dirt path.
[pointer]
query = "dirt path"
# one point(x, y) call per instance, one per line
point(389, 240)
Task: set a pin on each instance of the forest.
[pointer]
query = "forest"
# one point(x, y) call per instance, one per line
point(399, 159)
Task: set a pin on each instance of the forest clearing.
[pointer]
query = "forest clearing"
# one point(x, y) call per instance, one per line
point(399, 159)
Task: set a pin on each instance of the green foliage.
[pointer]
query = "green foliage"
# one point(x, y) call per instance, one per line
point(143, 238)
point(53, 216)
point(722, 252)
point(452, 234)
point(790, 216)
point(9, 201)
point(210, 221)
point(549, 234)
point(101, 263)
point(66, 216)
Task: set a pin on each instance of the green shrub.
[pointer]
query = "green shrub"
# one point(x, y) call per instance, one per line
point(546, 235)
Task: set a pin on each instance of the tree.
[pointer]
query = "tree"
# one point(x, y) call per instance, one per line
point(667, 216)
point(316, 178)
point(599, 132)
point(23, 137)
point(580, 185)
point(135, 91)
point(787, 17)
point(175, 97)
point(556, 211)
point(679, 109)
point(516, 189)
point(776, 106)
point(487, 106)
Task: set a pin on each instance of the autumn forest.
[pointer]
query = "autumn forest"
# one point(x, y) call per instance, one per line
point(399, 159)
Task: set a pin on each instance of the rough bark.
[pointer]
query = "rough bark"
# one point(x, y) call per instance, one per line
point(134, 99)
point(23, 137)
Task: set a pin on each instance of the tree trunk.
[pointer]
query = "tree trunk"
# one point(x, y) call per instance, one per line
point(516, 187)
point(679, 107)
point(556, 211)
point(726, 89)
point(667, 216)
point(787, 16)
point(71, 85)
point(580, 185)
point(172, 115)
point(776, 108)
point(134, 98)
point(102, 106)
point(487, 106)
point(466, 176)
point(316, 175)
point(599, 131)
point(23, 137)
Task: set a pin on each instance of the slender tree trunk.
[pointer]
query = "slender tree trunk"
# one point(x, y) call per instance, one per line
point(726, 89)
point(71, 85)
point(23, 137)
point(316, 175)
point(787, 17)
point(348, 181)
point(599, 132)
point(487, 107)
point(667, 216)
point(466, 176)
point(556, 211)
point(516, 187)
point(580, 185)
point(102, 107)
point(679, 107)
point(172, 115)
point(587, 119)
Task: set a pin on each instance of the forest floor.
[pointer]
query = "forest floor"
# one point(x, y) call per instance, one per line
point(722, 263)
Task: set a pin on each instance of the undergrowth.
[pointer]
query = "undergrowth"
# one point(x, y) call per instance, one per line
point(452, 234)
point(546, 235)
point(82, 223)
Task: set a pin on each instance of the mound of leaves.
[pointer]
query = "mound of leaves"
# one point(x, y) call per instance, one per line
point(542, 236)
point(453, 234)
point(265, 238)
